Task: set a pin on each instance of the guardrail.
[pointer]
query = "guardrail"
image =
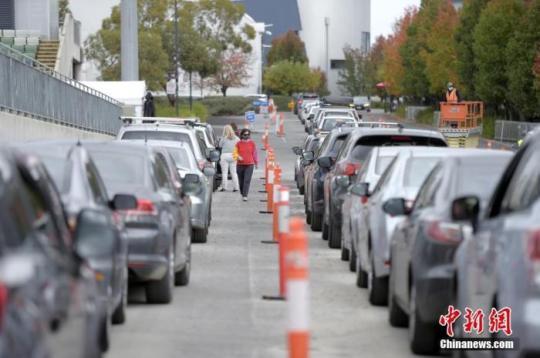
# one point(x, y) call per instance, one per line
point(33, 89)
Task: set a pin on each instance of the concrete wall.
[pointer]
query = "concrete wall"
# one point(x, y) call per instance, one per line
point(15, 128)
point(348, 19)
point(69, 52)
point(41, 15)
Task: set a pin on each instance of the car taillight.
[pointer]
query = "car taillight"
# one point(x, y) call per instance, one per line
point(347, 168)
point(446, 233)
point(145, 206)
point(364, 199)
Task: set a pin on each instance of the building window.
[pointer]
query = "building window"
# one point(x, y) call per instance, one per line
point(366, 40)
point(337, 64)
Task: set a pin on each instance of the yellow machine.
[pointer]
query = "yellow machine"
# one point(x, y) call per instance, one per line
point(461, 123)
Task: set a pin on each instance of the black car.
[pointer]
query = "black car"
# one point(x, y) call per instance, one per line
point(49, 297)
point(422, 249)
point(81, 187)
point(314, 181)
point(351, 156)
point(158, 235)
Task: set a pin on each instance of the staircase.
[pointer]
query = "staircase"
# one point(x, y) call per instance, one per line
point(47, 53)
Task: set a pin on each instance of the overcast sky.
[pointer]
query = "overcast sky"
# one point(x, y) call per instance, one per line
point(385, 12)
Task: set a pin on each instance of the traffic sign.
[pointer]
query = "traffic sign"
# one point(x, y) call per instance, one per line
point(250, 116)
point(260, 103)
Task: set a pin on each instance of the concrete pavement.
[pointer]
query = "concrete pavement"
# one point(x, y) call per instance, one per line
point(221, 312)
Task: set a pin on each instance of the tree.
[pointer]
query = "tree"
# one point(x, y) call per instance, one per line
point(491, 36)
point(286, 77)
point(466, 66)
point(233, 71)
point(521, 55)
point(349, 80)
point(289, 47)
point(63, 9)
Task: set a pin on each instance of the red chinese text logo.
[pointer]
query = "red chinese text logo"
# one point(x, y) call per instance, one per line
point(499, 320)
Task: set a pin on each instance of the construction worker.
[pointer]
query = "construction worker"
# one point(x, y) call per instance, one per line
point(452, 94)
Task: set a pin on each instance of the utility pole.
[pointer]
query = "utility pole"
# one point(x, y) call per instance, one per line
point(176, 58)
point(130, 41)
point(327, 41)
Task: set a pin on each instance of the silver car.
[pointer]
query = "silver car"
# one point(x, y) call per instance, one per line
point(374, 228)
point(499, 266)
point(371, 171)
point(330, 111)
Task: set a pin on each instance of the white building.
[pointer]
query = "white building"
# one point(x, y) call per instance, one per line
point(328, 27)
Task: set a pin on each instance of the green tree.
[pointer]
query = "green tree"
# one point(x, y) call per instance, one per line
point(63, 9)
point(286, 77)
point(349, 81)
point(521, 54)
point(494, 30)
point(289, 47)
point(466, 66)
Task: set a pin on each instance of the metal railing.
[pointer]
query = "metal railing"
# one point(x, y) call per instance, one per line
point(31, 88)
point(512, 131)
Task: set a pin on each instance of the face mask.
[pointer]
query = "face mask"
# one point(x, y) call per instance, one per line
point(245, 137)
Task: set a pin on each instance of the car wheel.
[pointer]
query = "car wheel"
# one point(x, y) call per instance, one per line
point(325, 232)
point(345, 253)
point(334, 241)
point(422, 336)
point(181, 278)
point(301, 190)
point(352, 259)
point(377, 286)
point(104, 341)
point(396, 316)
point(161, 291)
point(361, 275)
point(316, 222)
point(199, 235)
point(308, 217)
point(119, 314)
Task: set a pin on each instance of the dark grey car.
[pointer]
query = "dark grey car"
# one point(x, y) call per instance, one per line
point(311, 144)
point(158, 245)
point(422, 248)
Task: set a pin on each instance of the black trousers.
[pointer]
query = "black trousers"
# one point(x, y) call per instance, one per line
point(245, 172)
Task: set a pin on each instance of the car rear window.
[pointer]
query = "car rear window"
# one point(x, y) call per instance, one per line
point(181, 157)
point(331, 123)
point(479, 177)
point(158, 135)
point(417, 170)
point(120, 168)
point(382, 163)
point(400, 140)
point(59, 169)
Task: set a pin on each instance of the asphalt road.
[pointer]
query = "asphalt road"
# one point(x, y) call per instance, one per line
point(222, 314)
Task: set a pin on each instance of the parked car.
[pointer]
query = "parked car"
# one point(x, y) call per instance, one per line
point(351, 157)
point(308, 113)
point(353, 207)
point(362, 103)
point(330, 112)
point(50, 300)
point(81, 187)
point(174, 131)
point(315, 174)
point(199, 194)
point(158, 245)
point(498, 259)
point(300, 100)
point(327, 123)
point(311, 144)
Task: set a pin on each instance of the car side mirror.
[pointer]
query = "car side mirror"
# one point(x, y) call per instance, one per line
point(309, 156)
point(343, 181)
point(396, 207)
point(466, 209)
point(95, 235)
point(208, 171)
point(191, 183)
point(297, 150)
point(213, 156)
point(360, 189)
point(123, 202)
point(325, 162)
point(17, 270)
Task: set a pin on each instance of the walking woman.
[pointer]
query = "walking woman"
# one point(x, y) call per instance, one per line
point(247, 161)
point(229, 156)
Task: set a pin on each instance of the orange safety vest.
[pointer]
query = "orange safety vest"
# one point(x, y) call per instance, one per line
point(452, 96)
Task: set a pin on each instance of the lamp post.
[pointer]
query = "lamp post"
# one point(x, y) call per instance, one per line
point(176, 58)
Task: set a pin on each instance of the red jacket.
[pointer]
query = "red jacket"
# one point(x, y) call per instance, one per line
point(247, 150)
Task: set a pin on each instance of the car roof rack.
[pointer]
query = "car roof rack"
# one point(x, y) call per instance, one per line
point(159, 120)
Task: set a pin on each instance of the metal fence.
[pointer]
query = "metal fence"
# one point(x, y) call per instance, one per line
point(412, 111)
point(510, 131)
point(33, 89)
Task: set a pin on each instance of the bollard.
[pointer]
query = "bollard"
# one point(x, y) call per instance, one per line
point(265, 137)
point(275, 175)
point(269, 158)
point(296, 266)
point(283, 211)
point(269, 176)
point(281, 130)
point(275, 210)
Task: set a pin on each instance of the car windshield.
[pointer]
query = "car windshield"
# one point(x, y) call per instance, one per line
point(158, 135)
point(331, 123)
point(120, 168)
point(417, 169)
point(479, 176)
point(181, 157)
point(382, 164)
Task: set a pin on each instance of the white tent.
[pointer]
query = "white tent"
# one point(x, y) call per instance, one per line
point(130, 93)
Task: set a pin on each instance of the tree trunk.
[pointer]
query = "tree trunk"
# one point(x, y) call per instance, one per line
point(202, 86)
point(224, 90)
point(190, 92)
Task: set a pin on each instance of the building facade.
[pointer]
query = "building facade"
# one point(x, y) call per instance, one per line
point(36, 15)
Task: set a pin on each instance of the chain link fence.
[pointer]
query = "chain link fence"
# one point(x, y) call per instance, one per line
point(511, 132)
point(30, 88)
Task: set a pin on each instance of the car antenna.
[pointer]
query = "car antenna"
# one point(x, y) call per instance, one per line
point(400, 127)
point(79, 144)
point(145, 138)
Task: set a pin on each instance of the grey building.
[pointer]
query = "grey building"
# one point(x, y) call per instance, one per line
point(37, 15)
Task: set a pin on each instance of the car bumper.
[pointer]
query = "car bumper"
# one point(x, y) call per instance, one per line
point(147, 254)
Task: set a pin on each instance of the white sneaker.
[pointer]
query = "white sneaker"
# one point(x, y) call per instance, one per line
point(244, 198)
